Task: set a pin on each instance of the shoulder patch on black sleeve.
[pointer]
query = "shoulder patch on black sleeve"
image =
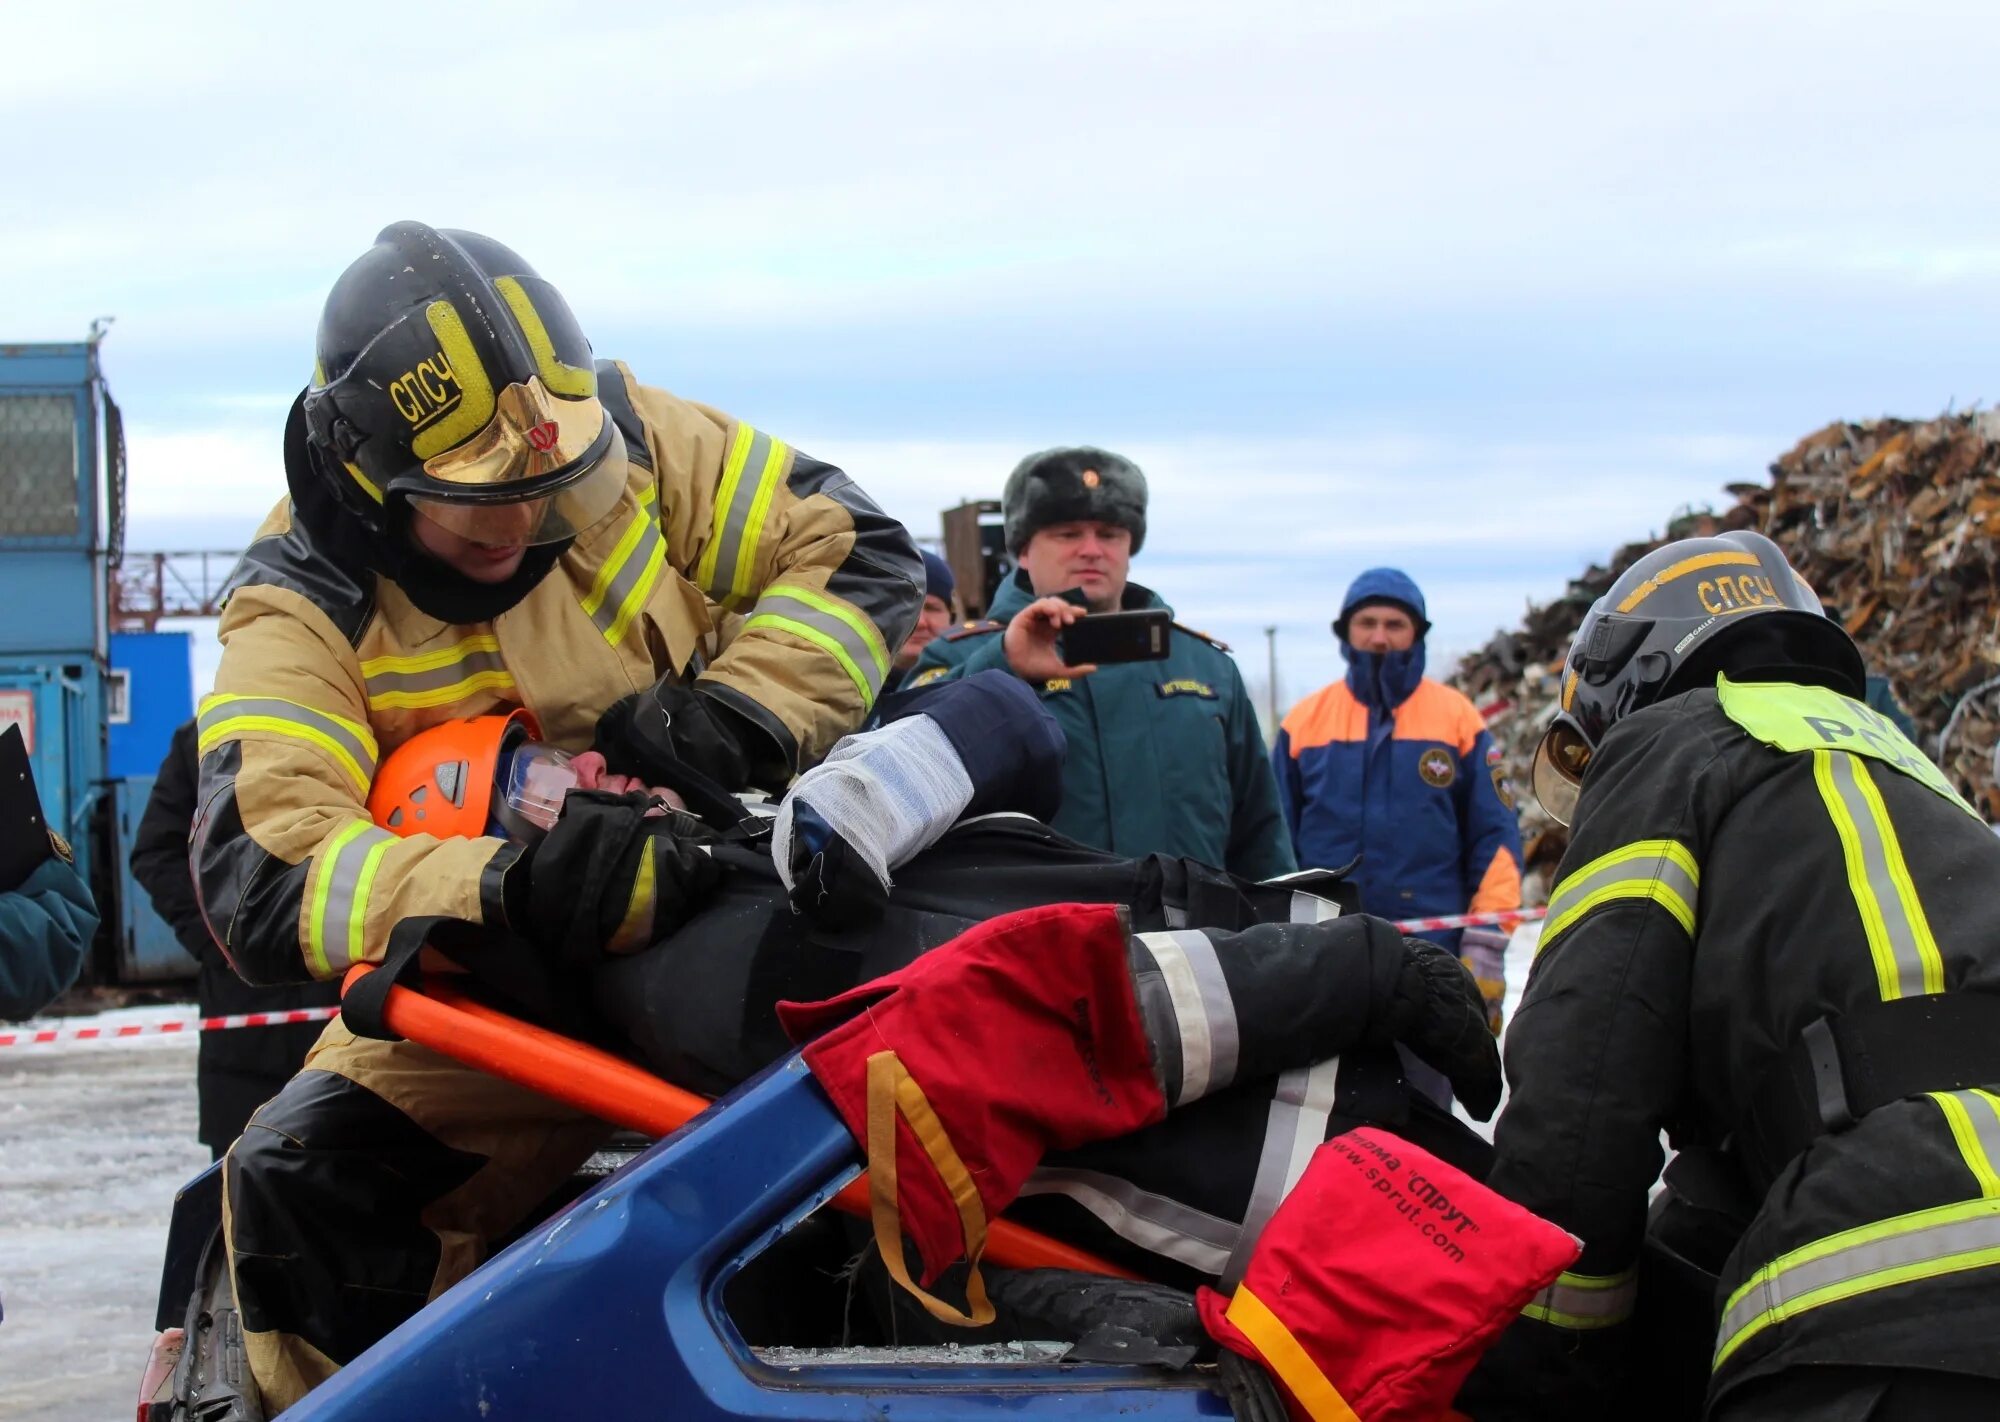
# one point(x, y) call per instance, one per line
point(927, 676)
point(1215, 642)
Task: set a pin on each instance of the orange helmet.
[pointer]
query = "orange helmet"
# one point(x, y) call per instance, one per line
point(440, 781)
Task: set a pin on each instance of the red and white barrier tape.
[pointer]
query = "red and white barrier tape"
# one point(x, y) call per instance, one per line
point(1471, 920)
point(46, 1035)
point(153, 1029)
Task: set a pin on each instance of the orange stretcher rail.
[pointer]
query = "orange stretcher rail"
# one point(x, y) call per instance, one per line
point(615, 1090)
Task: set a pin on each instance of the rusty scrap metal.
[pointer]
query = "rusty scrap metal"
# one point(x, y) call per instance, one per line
point(1894, 523)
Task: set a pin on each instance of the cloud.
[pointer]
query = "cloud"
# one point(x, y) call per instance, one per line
point(1486, 289)
point(232, 471)
point(784, 164)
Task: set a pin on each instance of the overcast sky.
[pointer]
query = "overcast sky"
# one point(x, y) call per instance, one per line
point(1482, 290)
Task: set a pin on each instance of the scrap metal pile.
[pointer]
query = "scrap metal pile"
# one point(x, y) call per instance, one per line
point(1893, 522)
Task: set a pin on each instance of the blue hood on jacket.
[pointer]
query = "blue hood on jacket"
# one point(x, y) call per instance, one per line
point(1383, 680)
point(1383, 585)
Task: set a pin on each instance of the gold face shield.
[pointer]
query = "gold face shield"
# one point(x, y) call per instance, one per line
point(1560, 761)
point(545, 468)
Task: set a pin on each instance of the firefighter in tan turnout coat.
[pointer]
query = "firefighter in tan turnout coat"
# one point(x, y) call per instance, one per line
point(482, 517)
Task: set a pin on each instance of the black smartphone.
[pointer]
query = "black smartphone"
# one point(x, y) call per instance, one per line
point(1101, 638)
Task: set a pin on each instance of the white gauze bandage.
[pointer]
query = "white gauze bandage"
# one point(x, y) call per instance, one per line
point(890, 793)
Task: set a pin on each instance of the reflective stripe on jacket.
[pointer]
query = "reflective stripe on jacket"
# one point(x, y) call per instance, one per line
point(766, 576)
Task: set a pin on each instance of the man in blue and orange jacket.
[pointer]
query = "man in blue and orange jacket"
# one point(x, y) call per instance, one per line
point(1397, 769)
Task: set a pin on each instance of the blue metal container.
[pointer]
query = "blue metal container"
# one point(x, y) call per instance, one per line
point(144, 947)
point(149, 693)
point(58, 518)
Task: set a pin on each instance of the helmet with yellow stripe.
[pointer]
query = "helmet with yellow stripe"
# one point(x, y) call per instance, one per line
point(452, 382)
point(1670, 623)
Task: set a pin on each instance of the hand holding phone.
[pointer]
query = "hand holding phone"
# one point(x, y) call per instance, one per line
point(1033, 641)
point(1105, 638)
point(1052, 638)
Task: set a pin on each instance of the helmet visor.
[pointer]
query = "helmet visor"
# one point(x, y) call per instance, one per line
point(532, 436)
point(1560, 761)
point(521, 507)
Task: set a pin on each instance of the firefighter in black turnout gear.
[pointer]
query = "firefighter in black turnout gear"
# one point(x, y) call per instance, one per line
point(1775, 936)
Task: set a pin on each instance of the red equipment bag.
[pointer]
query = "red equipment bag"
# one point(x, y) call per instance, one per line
point(957, 1072)
point(1380, 1279)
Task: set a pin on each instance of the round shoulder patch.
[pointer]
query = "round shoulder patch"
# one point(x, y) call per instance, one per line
point(1437, 767)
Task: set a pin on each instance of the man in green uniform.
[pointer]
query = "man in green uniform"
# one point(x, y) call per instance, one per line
point(1164, 756)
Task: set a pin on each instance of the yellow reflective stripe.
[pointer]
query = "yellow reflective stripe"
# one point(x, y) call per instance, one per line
point(635, 929)
point(1974, 1118)
point(1682, 569)
point(767, 490)
point(436, 678)
point(866, 632)
point(357, 912)
point(841, 630)
point(642, 588)
point(600, 587)
point(1907, 961)
point(749, 483)
point(1917, 921)
point(619, 592)
point(325, 864)
point(571, 380)
point(1928, 1244)
point(1285, 1356)
point(227, 716)
point(1663, 870)
point(821, 640)
point(1586, 1301)
point(443, 695)
point(431, 661)
point(725, 500)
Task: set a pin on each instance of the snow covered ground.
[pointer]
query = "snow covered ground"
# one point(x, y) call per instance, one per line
point(95, 1138)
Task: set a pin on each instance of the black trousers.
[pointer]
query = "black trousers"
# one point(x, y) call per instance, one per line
point(1843, 1394)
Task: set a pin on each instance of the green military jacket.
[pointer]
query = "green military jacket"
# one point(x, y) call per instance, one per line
point(1164, 757)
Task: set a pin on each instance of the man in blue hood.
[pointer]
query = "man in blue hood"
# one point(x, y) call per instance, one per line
point(1395, 769)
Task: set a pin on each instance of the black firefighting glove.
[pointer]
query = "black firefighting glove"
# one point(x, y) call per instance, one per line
point(656, 733)
point(1437, 1012)
point(609, 878)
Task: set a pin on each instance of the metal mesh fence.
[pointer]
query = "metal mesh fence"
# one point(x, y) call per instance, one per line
point(37, 466)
